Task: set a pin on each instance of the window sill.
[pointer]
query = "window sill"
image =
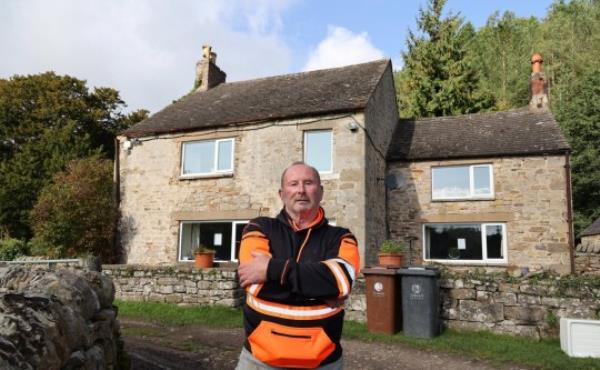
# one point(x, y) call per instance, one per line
point(216, 175)
point(467, 263)
point(464, 199)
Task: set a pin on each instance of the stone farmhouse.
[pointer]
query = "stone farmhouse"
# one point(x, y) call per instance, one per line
point(484, 190)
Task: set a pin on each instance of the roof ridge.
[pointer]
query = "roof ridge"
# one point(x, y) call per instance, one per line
point(523, 109)
point(376, 61)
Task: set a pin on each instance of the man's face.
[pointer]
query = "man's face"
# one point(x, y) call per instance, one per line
point(300, 191)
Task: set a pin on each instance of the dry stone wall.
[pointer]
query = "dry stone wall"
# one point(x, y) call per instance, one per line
point(178, 284)
point(492, 302)
point(529, 306)
point(61, 319)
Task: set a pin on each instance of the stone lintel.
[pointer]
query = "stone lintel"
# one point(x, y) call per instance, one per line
point(242, 214)
point(471, 217)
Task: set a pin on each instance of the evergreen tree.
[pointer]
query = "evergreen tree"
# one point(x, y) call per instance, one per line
point(579, 115)
point(502, 50)
point(438, 77)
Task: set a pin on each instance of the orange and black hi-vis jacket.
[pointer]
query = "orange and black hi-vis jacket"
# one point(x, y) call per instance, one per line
point(295, 318)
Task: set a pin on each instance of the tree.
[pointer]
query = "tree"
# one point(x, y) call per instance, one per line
point(579, 115)
point(76, 213)
point(502, 50)
point(47, 120)
point(438, 77)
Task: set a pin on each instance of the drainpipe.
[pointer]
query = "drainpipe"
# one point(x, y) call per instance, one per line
point(117, 197)
point(570, 211)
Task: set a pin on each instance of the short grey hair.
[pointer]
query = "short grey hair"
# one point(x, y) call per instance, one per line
point(301, 163)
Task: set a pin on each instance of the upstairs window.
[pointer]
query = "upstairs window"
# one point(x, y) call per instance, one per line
point(462, 182)
point(318, 149)
point(207, 157)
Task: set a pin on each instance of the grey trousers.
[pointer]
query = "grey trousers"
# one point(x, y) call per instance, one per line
point(249, 362)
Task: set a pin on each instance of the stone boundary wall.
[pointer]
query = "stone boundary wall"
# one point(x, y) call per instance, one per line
point(58, 319)
point(528, 307)
point(180, 284)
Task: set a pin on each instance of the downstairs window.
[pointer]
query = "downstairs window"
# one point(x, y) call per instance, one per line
point(465, 242)
point(222, 236)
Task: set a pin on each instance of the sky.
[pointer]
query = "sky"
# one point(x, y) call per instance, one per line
point(148, 49)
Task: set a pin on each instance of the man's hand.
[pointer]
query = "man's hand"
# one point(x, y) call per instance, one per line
point(255, 270)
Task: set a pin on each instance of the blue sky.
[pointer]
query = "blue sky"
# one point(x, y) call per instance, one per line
point(147, 49)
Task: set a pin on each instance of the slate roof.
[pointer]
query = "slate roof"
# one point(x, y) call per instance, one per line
point(296, 95)
point(593, 229)
point(508, 133)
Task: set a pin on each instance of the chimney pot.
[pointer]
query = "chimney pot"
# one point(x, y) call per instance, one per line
point(538, 85)
point(536, 63)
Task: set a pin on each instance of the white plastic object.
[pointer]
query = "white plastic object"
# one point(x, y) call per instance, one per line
point(580, 338)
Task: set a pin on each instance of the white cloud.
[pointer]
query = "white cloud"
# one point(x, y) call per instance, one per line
point(342, 47)
point(145, 49)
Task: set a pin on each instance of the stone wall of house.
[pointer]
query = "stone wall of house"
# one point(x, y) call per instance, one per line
point(587, 255)
point(381, 120)
point(530, 198)
point(57, 319)
point(154, 198)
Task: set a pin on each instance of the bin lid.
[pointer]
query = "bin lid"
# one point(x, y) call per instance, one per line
point(419, 271)
point(379, 270)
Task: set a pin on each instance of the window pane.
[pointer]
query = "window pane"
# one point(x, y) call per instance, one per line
point(444, 242)
point(317, 150)
point(494, 241)
point(239, 229)
point(482, 180)
point(190, 239)
point(198, 157)
point(224, 161)
point(451, 182)
point(217, 235)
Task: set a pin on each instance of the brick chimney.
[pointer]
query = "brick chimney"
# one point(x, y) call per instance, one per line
point(538, 85)
point(208, 75)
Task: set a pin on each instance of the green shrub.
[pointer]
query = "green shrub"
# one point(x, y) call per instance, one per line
point(392, 246)
point(12, 248)
point(76, 214)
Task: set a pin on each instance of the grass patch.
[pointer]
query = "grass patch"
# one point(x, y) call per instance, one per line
point(497, 349)
point(173, 315)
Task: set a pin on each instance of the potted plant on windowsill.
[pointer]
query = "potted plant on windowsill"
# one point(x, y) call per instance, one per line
point(203, 256)
point(391, 253)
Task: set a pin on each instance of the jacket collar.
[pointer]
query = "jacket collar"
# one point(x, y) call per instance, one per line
point(319, 220)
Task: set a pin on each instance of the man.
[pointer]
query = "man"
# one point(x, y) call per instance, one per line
point(297, 271)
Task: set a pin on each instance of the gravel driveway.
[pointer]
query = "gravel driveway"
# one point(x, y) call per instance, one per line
point(151, 346)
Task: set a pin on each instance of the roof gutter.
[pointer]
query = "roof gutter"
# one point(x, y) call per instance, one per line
point(136, 134)
point(565, 151)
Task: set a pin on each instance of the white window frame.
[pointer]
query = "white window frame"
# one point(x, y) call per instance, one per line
point(215, 170)
point(472, 194)
point(306, 132)
point(234, 224)
point(484, 259)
